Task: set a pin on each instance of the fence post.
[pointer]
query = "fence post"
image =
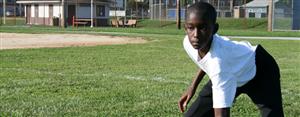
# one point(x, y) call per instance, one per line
point(270, 16)
point(63, 14)
point(296, 15)
point(4, 11)
point(178, 14)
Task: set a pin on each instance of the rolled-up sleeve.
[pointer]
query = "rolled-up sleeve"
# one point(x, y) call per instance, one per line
point(224, 90)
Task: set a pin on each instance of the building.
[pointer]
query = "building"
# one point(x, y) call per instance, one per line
point(253, 9)
point(167, 8)
point(48, 12)
point(225, 8)
point(11, 8)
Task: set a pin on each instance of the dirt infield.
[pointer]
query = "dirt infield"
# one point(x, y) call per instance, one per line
point(17, 40)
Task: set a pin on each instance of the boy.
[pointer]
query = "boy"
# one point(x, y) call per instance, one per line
point(233, 68)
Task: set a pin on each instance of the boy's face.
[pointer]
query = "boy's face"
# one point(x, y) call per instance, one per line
point(199, 32)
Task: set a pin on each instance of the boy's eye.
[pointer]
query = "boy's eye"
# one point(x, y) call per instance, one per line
point(190, 27)
point(201, 27)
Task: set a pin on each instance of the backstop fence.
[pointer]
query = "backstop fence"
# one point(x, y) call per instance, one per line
point(286, 15)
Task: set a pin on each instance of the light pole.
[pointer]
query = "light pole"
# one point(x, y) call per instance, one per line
point(63, 14)
point(92, 13)
point(125, 8)
point(4, 11)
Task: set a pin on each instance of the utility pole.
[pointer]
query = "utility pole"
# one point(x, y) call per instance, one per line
point(166, 16)
point(4, 12)
point(115, 5)
point(185, 6)
point(231, 8)
point(160, 19)
point(178, 14)
point(270, 16)
point(218, 11)
point(92, 13)
point(136, 9)
point(151, 9)
point(125, 8)
point(62, 23)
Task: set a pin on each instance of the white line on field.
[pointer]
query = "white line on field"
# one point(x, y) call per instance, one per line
point(167, 47)
point(158, 79)
point(129, 77)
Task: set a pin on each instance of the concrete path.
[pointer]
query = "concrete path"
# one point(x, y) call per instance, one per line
point(273, 38)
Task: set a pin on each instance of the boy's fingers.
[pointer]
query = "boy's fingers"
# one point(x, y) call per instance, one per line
point(181, 104)
point(180, 107)
point(186, 102)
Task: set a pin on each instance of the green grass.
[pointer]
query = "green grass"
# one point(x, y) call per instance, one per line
point(283, 23)
point(121, 80)
point(140, 31)
point(126, 80)
point(241, 23)
point(228, 26)
point(226, 23)
point(12, 21)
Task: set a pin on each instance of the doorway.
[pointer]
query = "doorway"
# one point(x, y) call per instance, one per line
point(28, 14)
point(71, 13)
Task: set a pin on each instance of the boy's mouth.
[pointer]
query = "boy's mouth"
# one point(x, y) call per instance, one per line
point(196, 45)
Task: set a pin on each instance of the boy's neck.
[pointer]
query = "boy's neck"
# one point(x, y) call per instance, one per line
point(202, 52)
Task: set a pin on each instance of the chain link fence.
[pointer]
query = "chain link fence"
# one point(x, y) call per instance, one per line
point(286, 15)
point(13, 14)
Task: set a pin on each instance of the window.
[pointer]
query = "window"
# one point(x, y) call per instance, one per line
point(174, 2)
point(263, 15)
point(227, 14)
point(85, 4)
point(100, 10)
point(252, 15)
point(222, 3)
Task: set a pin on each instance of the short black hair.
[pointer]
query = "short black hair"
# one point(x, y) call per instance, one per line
point(204, 11)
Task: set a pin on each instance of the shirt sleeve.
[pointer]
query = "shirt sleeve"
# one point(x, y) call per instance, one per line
point(224, 88)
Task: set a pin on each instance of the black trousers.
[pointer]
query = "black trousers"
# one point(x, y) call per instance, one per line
point(264, 90)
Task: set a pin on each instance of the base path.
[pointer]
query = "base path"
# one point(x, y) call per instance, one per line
point(19, 40)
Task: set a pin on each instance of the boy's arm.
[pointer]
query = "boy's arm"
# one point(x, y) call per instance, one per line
point(187, 96)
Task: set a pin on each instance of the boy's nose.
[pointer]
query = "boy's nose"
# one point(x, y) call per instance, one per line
point(196, 33)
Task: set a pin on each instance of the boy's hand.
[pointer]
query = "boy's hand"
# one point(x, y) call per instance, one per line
point(184, 100)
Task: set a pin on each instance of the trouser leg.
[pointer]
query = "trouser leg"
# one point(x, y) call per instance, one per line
point(203, 105)
point(264, 89)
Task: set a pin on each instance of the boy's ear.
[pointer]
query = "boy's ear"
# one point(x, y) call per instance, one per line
point(184, 26)
point(216, 28)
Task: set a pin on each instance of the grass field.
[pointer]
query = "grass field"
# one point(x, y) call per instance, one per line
point(132, 80)
point(228, 26)
point(121, 80)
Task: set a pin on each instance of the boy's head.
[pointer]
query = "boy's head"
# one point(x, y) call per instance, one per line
point(201, 24)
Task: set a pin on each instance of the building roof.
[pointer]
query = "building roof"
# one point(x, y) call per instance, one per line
point(59, 1)
point(258, 3)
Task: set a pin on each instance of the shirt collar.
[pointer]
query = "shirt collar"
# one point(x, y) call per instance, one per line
point(214, 37)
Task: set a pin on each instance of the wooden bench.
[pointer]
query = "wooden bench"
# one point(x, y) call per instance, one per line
point(131, 23)
point(118, 23)
point(115, 23)
point(121, 23)
point(76, 22)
